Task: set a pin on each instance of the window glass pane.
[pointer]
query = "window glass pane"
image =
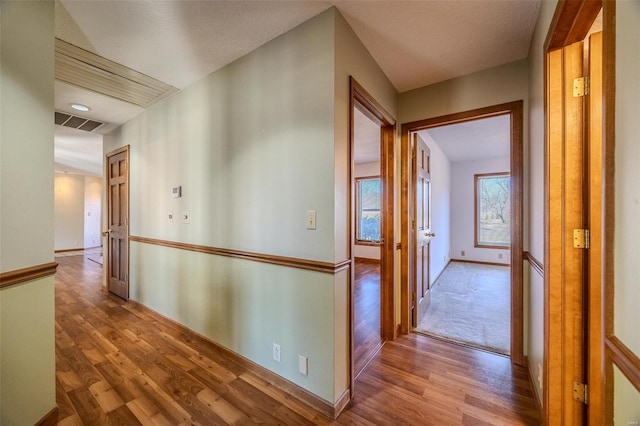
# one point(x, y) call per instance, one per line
point(368, 220)
point(494, 210)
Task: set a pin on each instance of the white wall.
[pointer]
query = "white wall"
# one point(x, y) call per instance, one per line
point(462, 210)
point(27, 345)
point(92, 211)
point(69, 211)
point(440, 246)
point(534, 170)
point(367, 170)
point(627, 200)
point(77, 201)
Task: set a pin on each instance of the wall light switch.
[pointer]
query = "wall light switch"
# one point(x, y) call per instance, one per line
point(311, 219)
point(303, 365)
point(186, 217)
point(176, 192)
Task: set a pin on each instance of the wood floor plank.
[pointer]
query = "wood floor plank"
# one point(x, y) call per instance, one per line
point(118, 364)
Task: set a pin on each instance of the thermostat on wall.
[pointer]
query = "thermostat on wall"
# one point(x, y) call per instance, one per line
point(176, 192)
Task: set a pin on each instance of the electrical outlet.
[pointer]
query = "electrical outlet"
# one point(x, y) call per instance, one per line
point(303, 365)
point(462, 253)
point(186, 217)
point(311, 219)
point(499, 255)
point(171, 217)
point(276, 352)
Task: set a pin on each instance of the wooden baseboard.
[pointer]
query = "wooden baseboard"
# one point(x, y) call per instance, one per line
point(366, 260)
point(50, 419)
point(534, 387)
point(479, 262)
point(330, 410)
point(76, 249)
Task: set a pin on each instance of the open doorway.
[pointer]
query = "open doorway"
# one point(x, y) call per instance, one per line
point(465, 280)
point(412, 135)
point(367, 217)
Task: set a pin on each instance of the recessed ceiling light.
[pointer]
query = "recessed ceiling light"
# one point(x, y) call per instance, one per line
point(80, 107)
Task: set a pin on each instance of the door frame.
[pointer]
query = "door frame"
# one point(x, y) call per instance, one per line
point(106, 252)
point(515, 111)
point(373, 110)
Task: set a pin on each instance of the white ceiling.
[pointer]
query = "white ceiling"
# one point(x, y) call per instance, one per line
point(474, 140)
point(77, 151)
point(416, 43)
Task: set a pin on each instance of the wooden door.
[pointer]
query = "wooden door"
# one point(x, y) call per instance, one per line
point(565, 263)
point(422, 227)
point(117, 253)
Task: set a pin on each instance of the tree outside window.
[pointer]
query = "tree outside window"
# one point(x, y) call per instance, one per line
point(493, 210)
point(368, 209)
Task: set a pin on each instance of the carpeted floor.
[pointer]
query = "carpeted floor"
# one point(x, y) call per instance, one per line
point(470, 304)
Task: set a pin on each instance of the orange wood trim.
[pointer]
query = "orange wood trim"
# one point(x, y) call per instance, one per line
point(367, 260)
point(624, 358)
point(608, 194)
point(301, 394)
point(18, 276)
point(292, 262)
point(50, 419)
point(536, 265)
point(68, 250)
point(479, 262)
point(571, 22)
point(399, 246)
point(369, 106)
point(515, 110)
point(367, 243)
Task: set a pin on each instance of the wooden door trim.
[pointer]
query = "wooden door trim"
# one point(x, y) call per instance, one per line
point(367, 104)
point(107, 259)
point(571, 22)
point(515, 110)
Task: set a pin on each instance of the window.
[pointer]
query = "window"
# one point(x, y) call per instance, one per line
point(368, 210)
point(493, 210)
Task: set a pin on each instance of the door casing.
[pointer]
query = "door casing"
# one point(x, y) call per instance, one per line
point(374, 111)
point(407, 266)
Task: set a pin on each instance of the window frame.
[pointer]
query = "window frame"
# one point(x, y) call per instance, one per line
point(359, 241)
point(476, 207)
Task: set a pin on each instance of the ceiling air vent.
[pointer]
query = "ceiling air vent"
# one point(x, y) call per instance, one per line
point(73, 121)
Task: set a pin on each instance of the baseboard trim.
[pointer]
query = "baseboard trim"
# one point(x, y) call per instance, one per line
point(330, 410)
point(441, 272)
point(18, 276)
point(50, 419)
point(292, 262)
point(534, 388)
point(479, 262)
point(367, 260)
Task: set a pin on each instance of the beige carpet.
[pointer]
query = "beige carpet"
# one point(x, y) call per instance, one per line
point(470, 304)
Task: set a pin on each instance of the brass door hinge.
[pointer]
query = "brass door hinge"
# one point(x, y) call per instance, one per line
point(580, 86)
point(581, 392)
point(581, 238)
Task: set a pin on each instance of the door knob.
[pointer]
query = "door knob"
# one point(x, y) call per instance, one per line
point(429, 234)
point(105, 233)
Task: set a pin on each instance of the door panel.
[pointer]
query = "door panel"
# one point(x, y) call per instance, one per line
point(117, 222)
point(422, 236)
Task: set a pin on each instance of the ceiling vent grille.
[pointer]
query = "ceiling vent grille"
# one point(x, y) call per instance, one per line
point(75, 122)
point(93, 72)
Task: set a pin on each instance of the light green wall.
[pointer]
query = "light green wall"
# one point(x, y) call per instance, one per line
point(252, 146)
point(27, 354)
point(27, 351)
point(535, 173)
point(627, 199)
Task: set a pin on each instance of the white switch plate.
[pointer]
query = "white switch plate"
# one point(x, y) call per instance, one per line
point(311, 219)
point(186, 217)
point(276, 352)
point(303, 365)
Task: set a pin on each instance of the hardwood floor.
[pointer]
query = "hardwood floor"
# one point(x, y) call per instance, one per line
point(115, 364)
point(366, 316)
